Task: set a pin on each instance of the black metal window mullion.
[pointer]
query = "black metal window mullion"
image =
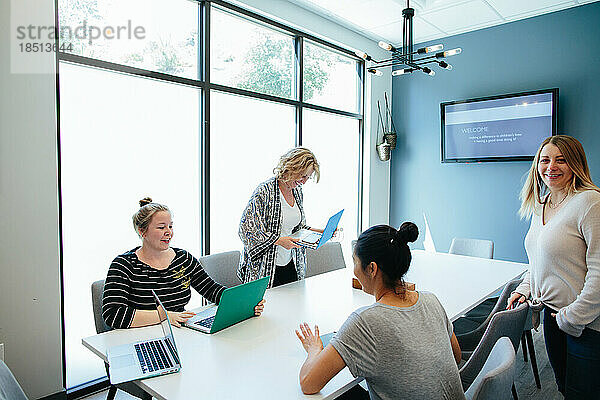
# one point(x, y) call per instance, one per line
point(205, 128)
point(360, 67)
point(60, 202)
point(299, 76)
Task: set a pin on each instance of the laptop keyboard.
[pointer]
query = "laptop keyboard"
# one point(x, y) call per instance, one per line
point(206, 322)
point(152, 356)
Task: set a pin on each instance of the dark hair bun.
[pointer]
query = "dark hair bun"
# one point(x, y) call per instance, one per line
point(408, 232)
point(145, 201)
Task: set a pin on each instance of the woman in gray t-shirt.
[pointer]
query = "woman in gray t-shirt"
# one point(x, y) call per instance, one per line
point(403, 344)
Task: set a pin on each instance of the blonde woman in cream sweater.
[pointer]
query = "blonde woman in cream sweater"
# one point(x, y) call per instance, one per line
point(563, 247)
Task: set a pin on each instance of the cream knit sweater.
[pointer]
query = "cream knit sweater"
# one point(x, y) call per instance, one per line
point(564, 263)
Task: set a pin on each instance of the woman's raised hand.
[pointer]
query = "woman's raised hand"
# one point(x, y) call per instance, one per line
point(311, 342)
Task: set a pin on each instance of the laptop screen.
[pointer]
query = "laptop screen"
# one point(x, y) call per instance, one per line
point(166, 327)
point(331, 226)
point(164, 319)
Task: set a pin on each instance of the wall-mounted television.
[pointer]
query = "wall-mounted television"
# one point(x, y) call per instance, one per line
point(508, 127)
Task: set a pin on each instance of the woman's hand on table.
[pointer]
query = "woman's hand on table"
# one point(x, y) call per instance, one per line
point(311, 342)
point(179, 318)
point(287, 242)
point(259, 308)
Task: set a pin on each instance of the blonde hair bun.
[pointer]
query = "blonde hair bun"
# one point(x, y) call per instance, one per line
point(143, 216)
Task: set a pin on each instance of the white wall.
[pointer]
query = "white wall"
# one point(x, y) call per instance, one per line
point(30, 325)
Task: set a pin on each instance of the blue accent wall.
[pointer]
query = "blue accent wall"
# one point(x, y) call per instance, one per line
point(560, 49)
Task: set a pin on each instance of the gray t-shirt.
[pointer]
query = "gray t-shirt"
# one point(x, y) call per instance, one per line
point(402, 352)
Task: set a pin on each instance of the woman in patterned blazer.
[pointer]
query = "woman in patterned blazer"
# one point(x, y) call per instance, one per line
point(272, 214)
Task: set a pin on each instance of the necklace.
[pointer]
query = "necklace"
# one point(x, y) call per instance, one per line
point(555, 205)
point(397, 292)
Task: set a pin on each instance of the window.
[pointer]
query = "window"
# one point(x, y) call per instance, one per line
point(122, 138)
point(158, 135)
point(247, 138)
point(249, 56)
point(335, 141)
point(155, 35)
point(330, 78)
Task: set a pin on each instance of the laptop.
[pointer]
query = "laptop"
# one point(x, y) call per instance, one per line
point(145, 358)
point(237, 304)
point(314, 240)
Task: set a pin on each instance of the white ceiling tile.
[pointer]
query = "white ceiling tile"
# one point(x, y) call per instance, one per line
point(434, 5)
point(472, 28)
point(333, 9)
point(511, 8)
point(430, 38)
point(331, 5)
point(422, 30)
point(462, 16)
point(434, 19)
point(534, 13)
point(393, 32)
point(373, 13)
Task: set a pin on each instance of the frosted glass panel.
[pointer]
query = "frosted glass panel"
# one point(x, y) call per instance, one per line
point(330, 78)
point(122, 138)
point(155, 35)
point(335, 142)
point(247, 138)
point(250, 56)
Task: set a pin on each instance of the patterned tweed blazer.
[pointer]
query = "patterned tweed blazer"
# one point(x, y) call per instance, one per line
point(260, 228)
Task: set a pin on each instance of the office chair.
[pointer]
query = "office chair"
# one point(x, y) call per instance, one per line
point(222, 267)
point(495, 380)
point(527, 345)
point(507, 323)
point(472, 247)
point(468, 340)
point(9, 387)
point(101, 326)
point(328, 257)
point(469, 329)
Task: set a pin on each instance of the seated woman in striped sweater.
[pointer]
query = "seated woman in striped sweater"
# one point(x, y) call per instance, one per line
point(169, 271)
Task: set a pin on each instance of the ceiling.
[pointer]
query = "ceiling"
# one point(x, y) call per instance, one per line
point(434, 19)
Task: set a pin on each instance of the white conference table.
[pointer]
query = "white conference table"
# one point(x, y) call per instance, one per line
point(260, 358)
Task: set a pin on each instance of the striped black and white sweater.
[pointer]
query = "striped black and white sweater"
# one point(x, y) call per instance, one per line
point(129, 283)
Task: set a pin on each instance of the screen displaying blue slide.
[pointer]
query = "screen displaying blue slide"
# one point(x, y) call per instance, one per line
point(506, 127)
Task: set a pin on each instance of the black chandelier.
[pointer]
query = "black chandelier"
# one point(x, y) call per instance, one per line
point(405, 57)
